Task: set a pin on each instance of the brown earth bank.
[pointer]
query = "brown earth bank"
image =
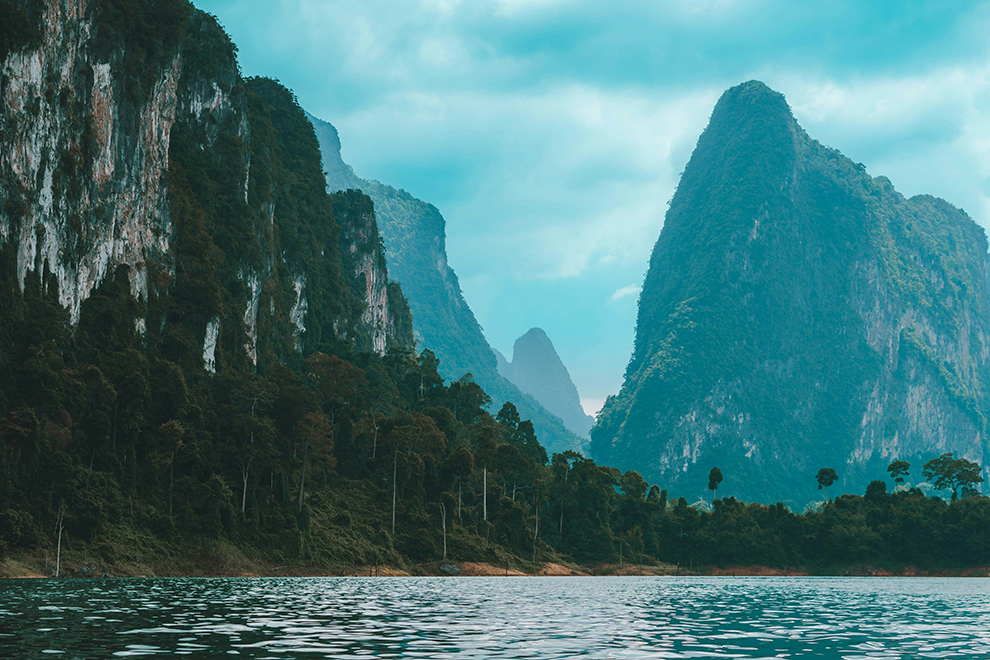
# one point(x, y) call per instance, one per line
point(35, 567)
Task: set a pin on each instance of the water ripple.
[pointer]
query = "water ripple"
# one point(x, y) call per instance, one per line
point(623, 618)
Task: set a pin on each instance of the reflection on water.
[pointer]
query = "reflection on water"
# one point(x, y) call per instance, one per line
point(634, 617)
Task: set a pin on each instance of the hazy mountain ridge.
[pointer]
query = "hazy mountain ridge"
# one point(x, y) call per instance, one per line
point(415, 243)
point(798, 314)
point(537, 370)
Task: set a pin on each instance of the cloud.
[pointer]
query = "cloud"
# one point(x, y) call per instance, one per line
point(592, 405)
point(631, 290)
point(927, 132)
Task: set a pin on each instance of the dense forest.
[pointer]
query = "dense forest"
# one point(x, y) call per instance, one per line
point(131, 445)
point(140, 463)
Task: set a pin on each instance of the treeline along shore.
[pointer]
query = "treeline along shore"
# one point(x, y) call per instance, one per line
point(117, 460)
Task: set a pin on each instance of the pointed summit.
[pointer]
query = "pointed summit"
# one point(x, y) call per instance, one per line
point(537, 370)
point(798, 313)
point(750, 111)
point(748, 148)
point(753, 96)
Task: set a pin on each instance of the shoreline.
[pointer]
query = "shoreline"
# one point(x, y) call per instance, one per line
point(25, 569)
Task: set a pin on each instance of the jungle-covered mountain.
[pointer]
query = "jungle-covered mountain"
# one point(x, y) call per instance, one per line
point(414, 236)
point(204, 368)
point(536, 369)
point(203, 363)
point(798, 314)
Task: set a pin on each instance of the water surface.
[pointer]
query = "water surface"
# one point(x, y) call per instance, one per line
point(631, 617)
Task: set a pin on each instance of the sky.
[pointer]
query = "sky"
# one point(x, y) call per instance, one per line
point(551, 133)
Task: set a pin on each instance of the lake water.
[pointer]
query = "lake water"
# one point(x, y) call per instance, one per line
point(632, 617)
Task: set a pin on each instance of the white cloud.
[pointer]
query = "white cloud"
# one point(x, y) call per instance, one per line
point(592, 406)
point(515, 7)
point(627, 291)
point(566, 180)
point(927, 132)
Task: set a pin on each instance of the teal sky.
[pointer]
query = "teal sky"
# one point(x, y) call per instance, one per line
point(551, 133)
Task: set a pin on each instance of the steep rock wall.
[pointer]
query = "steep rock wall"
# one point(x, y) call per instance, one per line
point(799, 314)
point(364, 254)
point(126, 140)
point(81, 160)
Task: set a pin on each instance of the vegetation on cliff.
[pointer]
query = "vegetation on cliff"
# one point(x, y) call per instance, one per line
point(798, 312)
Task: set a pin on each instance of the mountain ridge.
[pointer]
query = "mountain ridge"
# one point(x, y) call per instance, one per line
point(414, 234)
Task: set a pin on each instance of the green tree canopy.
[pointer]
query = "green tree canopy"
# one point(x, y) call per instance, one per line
point(898, 470)
point(950, 473)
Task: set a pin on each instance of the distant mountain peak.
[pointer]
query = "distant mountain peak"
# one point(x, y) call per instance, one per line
point(414, 235)
point(537, 370)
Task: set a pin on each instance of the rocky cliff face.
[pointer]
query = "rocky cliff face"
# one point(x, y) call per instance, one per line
point(128, 139)
point(83, 153)
point(413, 232)
point(537, 370)
point(385, 306)
point(799, 314)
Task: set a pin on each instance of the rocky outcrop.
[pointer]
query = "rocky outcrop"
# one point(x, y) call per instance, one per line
point(537, 370)
point(133, 147)
point(81, 159)
point(799, 314)
point(384, 307)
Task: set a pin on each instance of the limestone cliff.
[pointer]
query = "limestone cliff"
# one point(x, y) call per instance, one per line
point(83, 151)
point(129, 139)
point(799, 314)
point(385, 305)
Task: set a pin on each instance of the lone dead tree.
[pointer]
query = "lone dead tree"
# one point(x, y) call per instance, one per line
point(443, 523)
point(59, 527)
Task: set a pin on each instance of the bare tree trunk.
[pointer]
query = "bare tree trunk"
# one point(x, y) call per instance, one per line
point(443, 521)
point(395, 468)
point(302, 481)
point(58, 555)
point(536, 534)
point(245, 469)
point(374, 445)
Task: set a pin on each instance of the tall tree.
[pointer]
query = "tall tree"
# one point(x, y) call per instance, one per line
point(898, 470)
point(313, 433)
point(949, 472)
point(714, 479)
point(826, 477)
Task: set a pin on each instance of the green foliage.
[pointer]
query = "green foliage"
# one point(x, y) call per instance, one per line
point(949, 472)
point(825, 478)
point(714, 479)
point(146, 34)
point(898, 470)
